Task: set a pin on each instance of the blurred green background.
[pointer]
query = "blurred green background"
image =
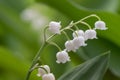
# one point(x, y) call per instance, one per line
point(21, 32)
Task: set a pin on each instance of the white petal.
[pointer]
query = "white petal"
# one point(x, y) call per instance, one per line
point(79, 41)
point(70, 46)
point(78, 33)
point(100, 25)
point(62, 57)
point(48, 76)
point(41, 71)
point(90, 34)
point(54, 27)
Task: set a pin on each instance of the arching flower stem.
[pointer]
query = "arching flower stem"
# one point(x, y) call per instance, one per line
point(66, 35)
point(52, 43)
point(36, 58)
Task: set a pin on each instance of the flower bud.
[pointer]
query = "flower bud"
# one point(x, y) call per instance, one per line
point(79, 41)
point(62, 57)
point(48, 76)
point(41, 71)
point(90, 34)
point(54, 27)
point(78, 33)
point(70, 46)
point(100, 25)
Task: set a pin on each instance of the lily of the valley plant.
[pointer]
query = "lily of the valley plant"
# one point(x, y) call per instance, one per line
point(62, 56)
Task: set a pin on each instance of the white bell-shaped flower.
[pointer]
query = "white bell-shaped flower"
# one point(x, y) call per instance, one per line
point(54, 27)
point(79, 41)
point(100, 25)
point(90, 34)
point(41, 71)
point(48, 76)
point(78, 33)
point(62, 57)
point(70, 46)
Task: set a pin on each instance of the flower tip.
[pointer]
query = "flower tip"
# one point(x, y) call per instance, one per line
point(105, 28)
point(38, 75)
point(74, 50)
point(57, 62)
point(96, 38)
point(85, 45)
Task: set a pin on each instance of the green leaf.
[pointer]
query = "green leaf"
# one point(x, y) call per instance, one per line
point(102, 5)
point(95, 47)
point(11, 63)
point(92, 69)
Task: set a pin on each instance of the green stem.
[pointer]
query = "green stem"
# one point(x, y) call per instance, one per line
point(76, 27)
point(93, 15)
point(71, 29)
point(86, 24)
point(82, 20)
point(54, 44)
point(36, 58)
point(39, 67)
point(45, 33)
point(50, 37)
point(28, 75)
point(66, 35)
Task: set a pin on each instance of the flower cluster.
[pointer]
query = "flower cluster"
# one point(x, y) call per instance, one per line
point(44, 72)
point(79, 38)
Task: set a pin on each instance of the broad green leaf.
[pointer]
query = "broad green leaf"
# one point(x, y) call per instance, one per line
point(17, 5)
point(101, 5)
point(109, 76)
point(12, 67)
point(92, 69)
point(95, 47)
point(7, 60)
